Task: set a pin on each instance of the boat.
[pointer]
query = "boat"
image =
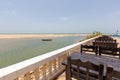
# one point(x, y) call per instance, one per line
point(117, 34)
point(46, 39)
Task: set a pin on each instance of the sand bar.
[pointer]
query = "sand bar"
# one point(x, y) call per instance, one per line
point(2, 36)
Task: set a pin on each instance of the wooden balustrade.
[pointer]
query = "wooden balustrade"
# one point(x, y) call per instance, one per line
point(44, 67)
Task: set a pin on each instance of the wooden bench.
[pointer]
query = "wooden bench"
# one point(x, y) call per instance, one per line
point(107, 45)
point(105, 41)
point(110, 51)
point(83, 70)
point(103, 45)
point(114, 63)
point(111, 74)
point(89, 48)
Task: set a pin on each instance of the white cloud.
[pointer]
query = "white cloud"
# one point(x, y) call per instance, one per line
point(117, 13)
point(13, 12)
point(8, 12)
point(11, 2)
point(4, 12)
point(64, 18)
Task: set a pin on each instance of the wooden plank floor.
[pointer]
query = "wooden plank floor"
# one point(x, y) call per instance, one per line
point(62, 77)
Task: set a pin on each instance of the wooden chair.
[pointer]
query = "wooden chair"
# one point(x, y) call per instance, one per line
point(89, 48)
point(83, 70)
point(105, 41)
point(112, 74)
point(109, 73)
point(109, 51)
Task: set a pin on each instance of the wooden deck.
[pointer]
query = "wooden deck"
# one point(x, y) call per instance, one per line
point(62, 77)
point(112, 61)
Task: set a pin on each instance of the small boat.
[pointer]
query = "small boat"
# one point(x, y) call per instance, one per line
point(117, 34)
point(46, 39)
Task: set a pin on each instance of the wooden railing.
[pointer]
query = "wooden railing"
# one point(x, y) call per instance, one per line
point(43, 67)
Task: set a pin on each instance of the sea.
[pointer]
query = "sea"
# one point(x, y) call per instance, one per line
point(14, 50)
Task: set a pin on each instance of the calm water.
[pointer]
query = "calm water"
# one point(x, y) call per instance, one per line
point(15, 50)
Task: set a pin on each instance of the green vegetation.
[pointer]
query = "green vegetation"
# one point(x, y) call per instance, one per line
point(94, 34)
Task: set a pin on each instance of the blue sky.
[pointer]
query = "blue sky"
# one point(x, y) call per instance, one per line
point(59, 16)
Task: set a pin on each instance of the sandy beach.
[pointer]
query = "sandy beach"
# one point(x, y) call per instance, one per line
point(37, 35)
point(118, 41)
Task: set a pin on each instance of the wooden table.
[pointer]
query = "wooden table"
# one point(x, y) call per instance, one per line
point(96, 59)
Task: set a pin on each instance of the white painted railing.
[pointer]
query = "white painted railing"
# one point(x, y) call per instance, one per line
point(43, 67)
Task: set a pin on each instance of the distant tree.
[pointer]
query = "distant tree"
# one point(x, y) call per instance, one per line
point(94, 34)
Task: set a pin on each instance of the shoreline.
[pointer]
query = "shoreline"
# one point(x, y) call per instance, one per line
point(5, 36)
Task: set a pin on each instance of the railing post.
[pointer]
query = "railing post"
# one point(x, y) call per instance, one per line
point(44, 72)
point(36, 73)
point(50, 69)
point(66, 55)
point(27, 76)
point(54, 65)
point(78, 48)
point(62, 58)
point(40, 72)
point(59, 63)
